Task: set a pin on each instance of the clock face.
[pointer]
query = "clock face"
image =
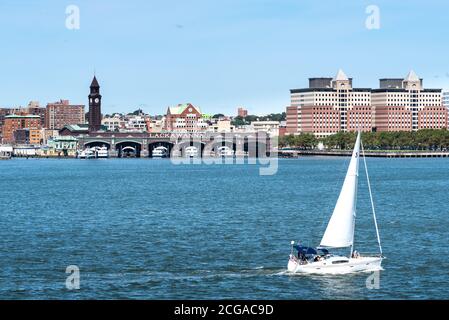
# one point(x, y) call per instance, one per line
point(97, 100)
point(91, 100)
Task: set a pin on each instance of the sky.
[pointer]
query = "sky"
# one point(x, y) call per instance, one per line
point(218, 55)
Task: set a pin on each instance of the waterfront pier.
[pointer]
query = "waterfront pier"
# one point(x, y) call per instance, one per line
point(377, 154)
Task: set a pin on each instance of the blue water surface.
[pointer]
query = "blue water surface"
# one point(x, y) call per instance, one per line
point(148, 229)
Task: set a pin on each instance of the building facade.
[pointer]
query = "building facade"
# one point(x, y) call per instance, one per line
point(446, 100)
point(224, 126)
point(114, 123)
point(27, 136)
point(136, 123)
point(405, 105)
point(185, 118)
point(62, 113)
point(17, 122)
point(270, 127)
point(35, 109)
point(3, 113)
point(331, 105)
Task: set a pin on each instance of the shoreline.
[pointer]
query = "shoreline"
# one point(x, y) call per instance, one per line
point(372, 154)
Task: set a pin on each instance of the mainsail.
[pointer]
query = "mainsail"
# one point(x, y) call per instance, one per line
point(340, 230)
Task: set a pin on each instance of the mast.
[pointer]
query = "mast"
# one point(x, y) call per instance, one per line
point(359, 141)
point(372, 201)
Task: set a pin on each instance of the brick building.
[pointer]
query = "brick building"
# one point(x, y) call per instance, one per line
point(33, 108)
point(403, 104)
point(332, 105)
point(62, 113)
point(16, 122)
point(185, 118)
point(329, 105)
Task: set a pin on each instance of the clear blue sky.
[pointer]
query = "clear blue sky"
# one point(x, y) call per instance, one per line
point(215, 54)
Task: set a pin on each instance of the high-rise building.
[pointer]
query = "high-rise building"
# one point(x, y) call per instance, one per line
point(15, 122)
point(242, 112)
point(332, 105)
point(62, 113)
point(329, 105)
point(94, 106)
point(405, 105)
point(446, 100)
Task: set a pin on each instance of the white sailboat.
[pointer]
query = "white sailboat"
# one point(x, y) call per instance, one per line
point(340, 232)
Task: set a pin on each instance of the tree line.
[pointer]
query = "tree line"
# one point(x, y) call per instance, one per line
point(426, 139)
point(240, 121)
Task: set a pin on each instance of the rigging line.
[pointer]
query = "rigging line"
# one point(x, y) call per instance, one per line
point(371, 198)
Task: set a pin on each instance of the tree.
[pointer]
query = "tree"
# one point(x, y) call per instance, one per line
point(238, 121)
point(137, 112)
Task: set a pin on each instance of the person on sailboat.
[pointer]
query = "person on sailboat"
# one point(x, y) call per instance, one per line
point(355, 254)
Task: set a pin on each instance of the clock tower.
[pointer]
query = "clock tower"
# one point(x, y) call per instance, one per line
point(94, 106)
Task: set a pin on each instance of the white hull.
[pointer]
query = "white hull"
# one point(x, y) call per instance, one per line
point(159, 156)
point(160, 152)
point(334, 265)
point(102, 155)
point(85, 155)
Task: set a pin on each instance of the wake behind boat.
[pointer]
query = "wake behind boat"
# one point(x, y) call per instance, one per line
point(339, 233)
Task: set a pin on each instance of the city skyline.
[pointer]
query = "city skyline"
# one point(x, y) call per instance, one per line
point(217, 56)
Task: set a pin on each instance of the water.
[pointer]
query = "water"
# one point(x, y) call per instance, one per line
point(146, 229)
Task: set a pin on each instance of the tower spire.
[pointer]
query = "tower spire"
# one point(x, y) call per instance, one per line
point(94, 83)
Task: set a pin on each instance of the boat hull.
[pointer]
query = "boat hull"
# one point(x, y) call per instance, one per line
point(335, 266)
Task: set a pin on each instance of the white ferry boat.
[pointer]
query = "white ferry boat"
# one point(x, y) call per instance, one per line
point(160, 152)
point(101, 152)
point(86, 154)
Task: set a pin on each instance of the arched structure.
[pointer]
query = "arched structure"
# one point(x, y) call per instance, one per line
point(97, 143)
point(128, 149)
point(155, 144)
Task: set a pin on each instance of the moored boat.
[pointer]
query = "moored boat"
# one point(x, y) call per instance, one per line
point(160, 152)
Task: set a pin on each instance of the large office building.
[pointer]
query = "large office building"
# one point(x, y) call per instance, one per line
point(403, 104)
point(330, 105)
point(446, 99)
point(62, 113)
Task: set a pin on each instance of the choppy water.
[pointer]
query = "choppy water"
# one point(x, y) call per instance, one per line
point(151, 230)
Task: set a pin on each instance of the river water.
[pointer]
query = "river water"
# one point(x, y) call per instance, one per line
point(148, 229)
